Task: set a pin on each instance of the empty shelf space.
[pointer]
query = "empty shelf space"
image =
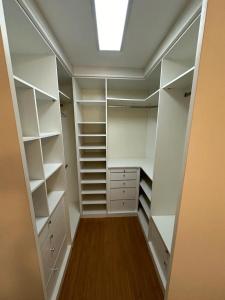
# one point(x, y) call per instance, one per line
point(50, 169)
point(92, 147)
point(93, 181)
point(145, 206)
point(93, 202)
point(93, 171)
point(91, 123)
point(53, 199)
point(146, 188)
point(93, 159)
point(92, 135)
point(94, 209)
point(34, 184)
point(165, 227)
point(182, 81)
point(93, 192)
point(40, 223)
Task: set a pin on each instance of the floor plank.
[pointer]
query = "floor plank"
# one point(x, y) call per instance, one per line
point(110, 261)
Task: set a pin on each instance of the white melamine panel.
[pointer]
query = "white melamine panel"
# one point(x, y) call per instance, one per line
point(34, 159)
point(28, 111)
point(123, 176)
point(91, 113)
point(52, 149)
point(47, 259)
point(126, 132)
point(125, 193)
point(172, 122)
point(123, 184)
point(40, 202)
point(151, 134)
point(49, 116)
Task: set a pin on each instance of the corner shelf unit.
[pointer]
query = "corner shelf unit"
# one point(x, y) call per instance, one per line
point(91, 138)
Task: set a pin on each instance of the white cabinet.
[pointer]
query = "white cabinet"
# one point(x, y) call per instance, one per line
point(123, 190)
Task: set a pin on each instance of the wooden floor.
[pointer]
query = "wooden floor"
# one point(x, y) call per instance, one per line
point(110, 261)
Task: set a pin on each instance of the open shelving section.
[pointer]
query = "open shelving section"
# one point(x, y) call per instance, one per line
point(91, 138)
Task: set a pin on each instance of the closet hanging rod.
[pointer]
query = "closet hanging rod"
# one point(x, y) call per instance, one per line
point(128, 106)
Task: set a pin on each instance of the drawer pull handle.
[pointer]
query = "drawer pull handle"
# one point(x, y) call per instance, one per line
point(49, 222)
point(51, 236)
point(124, 191)
point(124, 183)
point(52, 249)
point(165, 264)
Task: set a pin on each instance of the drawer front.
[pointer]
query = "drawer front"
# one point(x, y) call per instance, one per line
point(44, 234)
point(123, 170)
point(47, 259)
point(123, 184)
point(123, 205)
point(56, 269)
point(162, 253)
point(123, 194)
point(123, 176)
point(58, 228)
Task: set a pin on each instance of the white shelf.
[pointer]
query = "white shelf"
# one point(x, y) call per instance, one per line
point(44, 135)
point(92, 147)
point(91, 102)
point(146, 189)
point(93, 181)
point(145, 164)
point(91, 123)
point(93, 202)
point(53, 200)
point(93, 159)
point(30, 138)
point(93, 192)
point(156, 261)
point(93, 170)
point(40, 223)
point(92, 135)
point(165, 226)
point(182, 81)
point(94, 212)
point(143, 221)
point(64, 97)
point(145, 206)
point(74, 215)
point(50, 169)
point(34, 184)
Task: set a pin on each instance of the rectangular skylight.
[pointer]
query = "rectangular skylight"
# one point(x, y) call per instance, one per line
point(111, 18)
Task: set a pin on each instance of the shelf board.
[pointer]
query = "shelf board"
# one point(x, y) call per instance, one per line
point(34, 184)
point(64, 97)
point(91, 123)
point(95, 212)
point(50, 169)
point(143, 221)
point(93, 192)
point(93, 171)
point(145, 206)
point(93, 181)
point(93, 202)
point(40, 223)
point(93, 159)
point(165, 226)
point(30, 138)
point(146, 189)
point(45, 135)
point(92, 135)
point(91, 102)
point(53, 200)
point(92, 147)
point(19, 82)
point(182, 81)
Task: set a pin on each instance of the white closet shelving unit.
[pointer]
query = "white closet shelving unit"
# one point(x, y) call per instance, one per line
point(91, 132)
point(37, 93)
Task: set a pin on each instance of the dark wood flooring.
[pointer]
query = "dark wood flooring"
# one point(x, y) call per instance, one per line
point(110, 261)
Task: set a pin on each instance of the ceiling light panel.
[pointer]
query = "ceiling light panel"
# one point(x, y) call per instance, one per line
point(111, 19)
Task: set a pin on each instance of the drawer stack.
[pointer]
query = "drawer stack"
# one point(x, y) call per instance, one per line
point(123, 189)
point(53, 244)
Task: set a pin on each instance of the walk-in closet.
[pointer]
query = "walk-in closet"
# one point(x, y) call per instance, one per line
point(104, 143)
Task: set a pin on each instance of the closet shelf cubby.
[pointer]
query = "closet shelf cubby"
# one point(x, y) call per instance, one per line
point(143, 221)
point(146, 188)
point(145, 206)
point(50, 169)
point(93, 170)
point(53, 199)
point(34, 184)
point(182, 81)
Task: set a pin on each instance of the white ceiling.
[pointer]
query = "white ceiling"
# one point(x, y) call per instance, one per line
point(73, 23)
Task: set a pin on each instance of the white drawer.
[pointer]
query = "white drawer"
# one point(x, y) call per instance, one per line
point(160, 249)
point(58, 228)
point(123, 205)
point(47, 259)
point(44, 234)
point(123, 170)
point(123, 184)
point(123, 176)
point(123, 194)
point(56, 269)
